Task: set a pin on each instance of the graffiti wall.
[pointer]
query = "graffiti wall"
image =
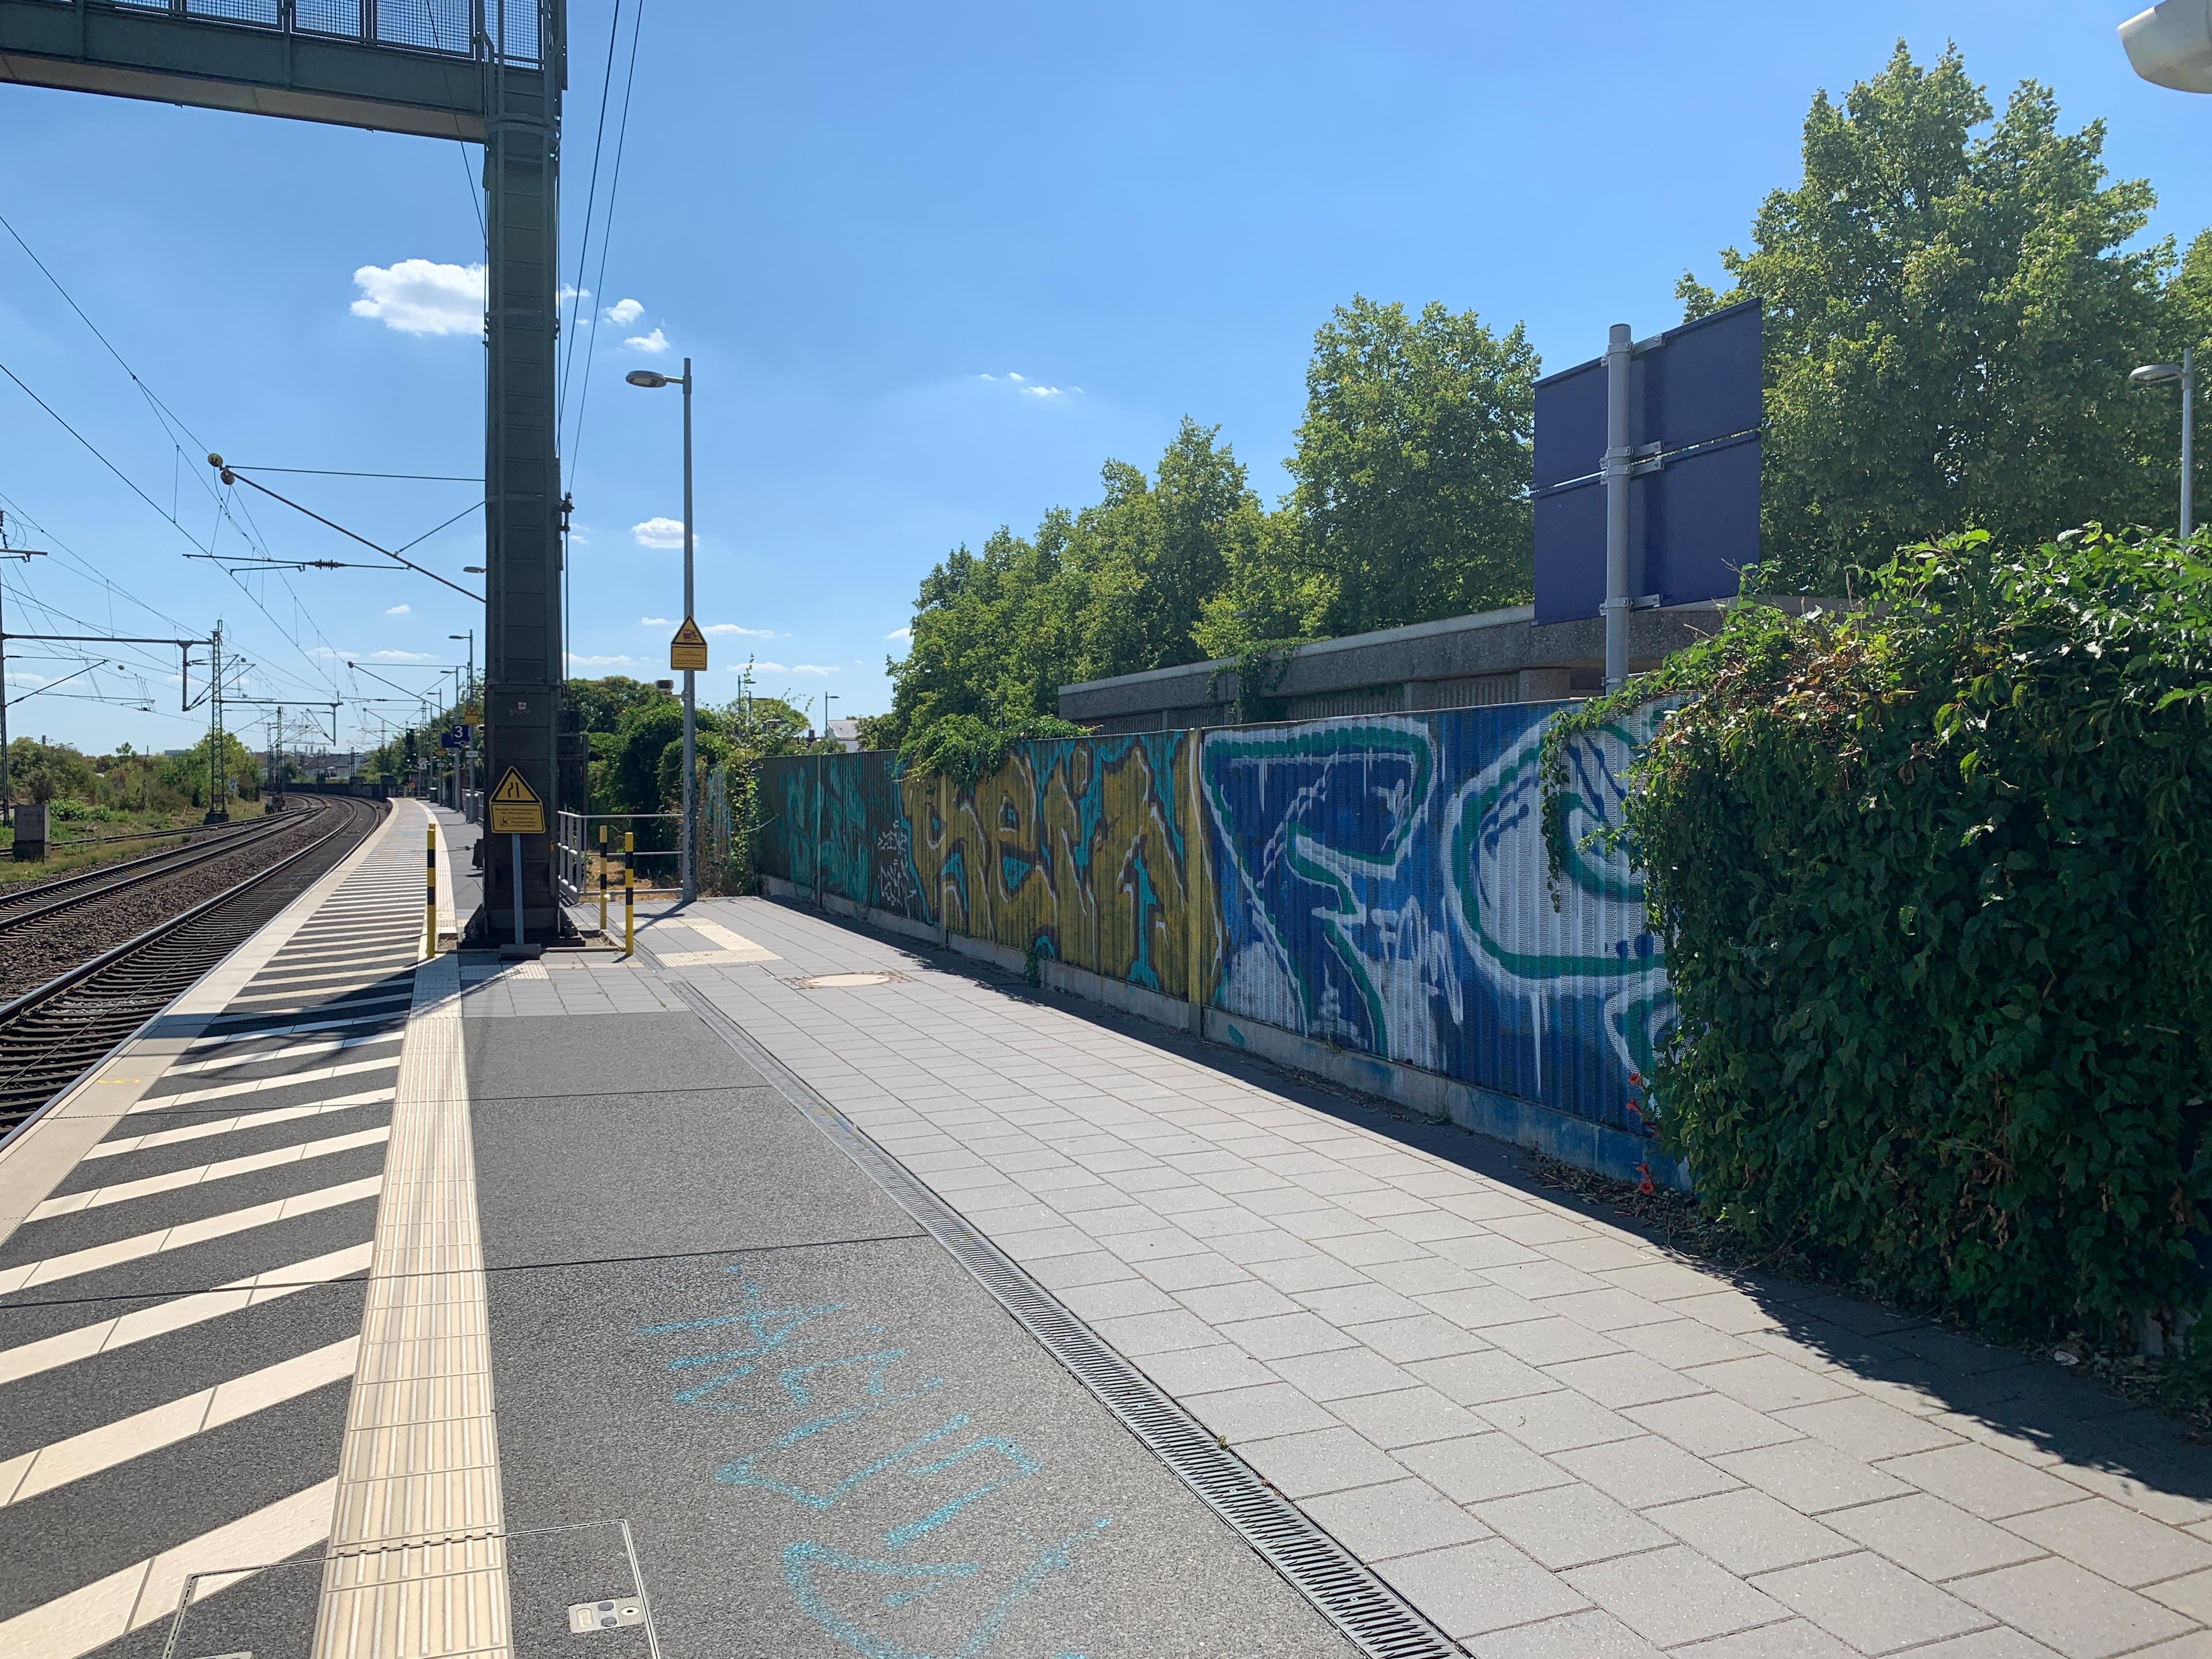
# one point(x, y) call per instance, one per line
point(1378, 884)
point(1077, 850)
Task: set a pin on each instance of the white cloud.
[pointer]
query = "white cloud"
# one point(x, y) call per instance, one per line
point(900, 634)
point(420, 296)
point(653, 344)
point(332, 652)
point(575, 661)
point(811, 668)
point(401, 656)
point(658, 532)
point(399, 611)
point(762, 668)
point(1027, 387)
point(656, 622)
point(732, 628)
point(623, 313)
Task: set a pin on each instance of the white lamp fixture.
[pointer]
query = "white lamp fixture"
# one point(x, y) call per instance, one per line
point(2171, 45)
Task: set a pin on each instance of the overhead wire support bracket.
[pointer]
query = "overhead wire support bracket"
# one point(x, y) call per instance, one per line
point(231, 476)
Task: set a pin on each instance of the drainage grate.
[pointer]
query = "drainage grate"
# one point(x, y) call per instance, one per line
point(1371, 1614)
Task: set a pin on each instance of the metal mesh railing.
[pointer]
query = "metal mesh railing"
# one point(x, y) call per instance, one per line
point(450, 29)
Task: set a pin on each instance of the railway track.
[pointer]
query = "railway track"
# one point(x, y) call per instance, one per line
point(35, 900)
point(51, 1035)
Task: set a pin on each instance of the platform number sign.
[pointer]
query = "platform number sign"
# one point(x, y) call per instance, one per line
point(516, 809)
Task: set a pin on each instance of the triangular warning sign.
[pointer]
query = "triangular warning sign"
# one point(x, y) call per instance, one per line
point(515, 808)
point(688, 648)
point(515, 788)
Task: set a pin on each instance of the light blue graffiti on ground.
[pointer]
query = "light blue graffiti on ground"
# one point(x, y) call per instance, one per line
point(816, 1372)
point(1384, 887)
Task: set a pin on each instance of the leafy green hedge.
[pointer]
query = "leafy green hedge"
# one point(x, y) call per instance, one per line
point(1935, 886)
point(967, 747)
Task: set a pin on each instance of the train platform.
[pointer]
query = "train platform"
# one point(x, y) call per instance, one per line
point(787, 1290)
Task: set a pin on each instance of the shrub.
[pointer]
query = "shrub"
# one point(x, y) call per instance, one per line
point(1932, 880)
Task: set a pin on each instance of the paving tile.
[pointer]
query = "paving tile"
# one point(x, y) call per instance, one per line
point(1187, 1273)
point(1418, 1278)
point(2069, 1609)
point(1625, 1379)
point(1484, 1250)
point(1811, 1476)
point(1748, 1532)
point(1682, 1342)
point(1767, 1383)
point(1591, 1635)
point(1310, 1270)
point(1866, 1428)
point(1983, 1481)
point(1875, 1605)
point(1272, 1409)
point(2191, 1595)
point(1286, 1335)
point(1472, 1589)
point(1483, 1307)
point(1326, 1460)
point(1646, 1470)
point(1198, 1371)
point(1611, 1311)
point(1093, 1267)
point(2163, 1493)
point(1673, 1595)
point(1220, 1303)
point(1542, 1225)
point(1473, 1379)
point(1930, 1537)
point(1996, 1642)
point(1340, 1374)
point(2126, 1547)
point(1600, 1255)
point(1399, 1517)
point(1557, 1422)
point(1115, 1297)
point(1358, 1305)
point(1364, 1249)
point(1541, 1278)
point(1569, 1526)
point(1405, 1417)
point(1423, 1336)
point(1661, 1281)
point(1792, 1639)
point(1731, 1311)
point(1549, 1341)
point(1482, 1467)
point(1271, 1245)
point(1710, 1425)
point(2196, 1645)
point(1137, 1335)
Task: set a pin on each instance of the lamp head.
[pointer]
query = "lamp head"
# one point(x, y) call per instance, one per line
point(2155, 374)
point(646, 378)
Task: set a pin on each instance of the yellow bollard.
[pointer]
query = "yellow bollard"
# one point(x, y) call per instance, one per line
point(630, 896)
point(603, 881)
point(430, 895)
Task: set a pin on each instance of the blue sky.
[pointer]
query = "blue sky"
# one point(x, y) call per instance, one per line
point(864, 223)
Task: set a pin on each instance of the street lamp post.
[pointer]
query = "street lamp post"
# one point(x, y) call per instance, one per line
point(688, 837)
point(2164, 374)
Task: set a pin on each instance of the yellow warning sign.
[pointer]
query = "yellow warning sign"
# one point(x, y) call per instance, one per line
point(688, 648)
point(515, 808)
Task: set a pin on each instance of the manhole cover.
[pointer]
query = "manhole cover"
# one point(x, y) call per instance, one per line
point(843, 981)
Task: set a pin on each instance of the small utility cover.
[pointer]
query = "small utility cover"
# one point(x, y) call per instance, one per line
point(515, 808)
point(688, 648)
point(605, 1615)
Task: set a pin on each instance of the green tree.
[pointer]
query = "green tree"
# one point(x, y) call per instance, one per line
point(1412, 470)
point(1953, 303)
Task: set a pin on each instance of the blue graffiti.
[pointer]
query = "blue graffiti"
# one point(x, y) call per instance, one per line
point(811, 1566)
point(802, 1561)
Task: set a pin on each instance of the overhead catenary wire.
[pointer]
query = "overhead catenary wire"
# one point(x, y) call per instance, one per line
point(591, 201)
point(607, 231)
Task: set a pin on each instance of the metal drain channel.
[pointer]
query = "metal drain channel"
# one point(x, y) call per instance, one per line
point(1369, 1612)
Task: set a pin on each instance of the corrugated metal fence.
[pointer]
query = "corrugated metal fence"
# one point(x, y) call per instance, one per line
point(1376, 883)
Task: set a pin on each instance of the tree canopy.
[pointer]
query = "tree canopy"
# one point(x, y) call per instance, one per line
point(1954, 298)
